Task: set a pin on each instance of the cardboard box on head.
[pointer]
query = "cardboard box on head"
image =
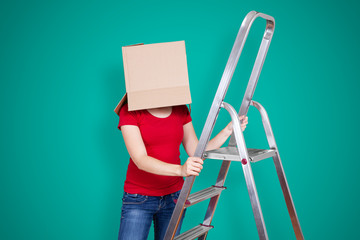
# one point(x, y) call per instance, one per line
point(156, 75)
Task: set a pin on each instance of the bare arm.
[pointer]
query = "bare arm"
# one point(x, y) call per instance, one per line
point(137, 151)
point(190, 140)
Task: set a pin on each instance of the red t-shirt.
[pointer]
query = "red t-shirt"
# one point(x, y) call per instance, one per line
point(162, 138)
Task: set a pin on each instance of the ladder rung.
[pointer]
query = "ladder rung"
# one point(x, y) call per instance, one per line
point(194, 232)
point(231, 154)
point(203, 195)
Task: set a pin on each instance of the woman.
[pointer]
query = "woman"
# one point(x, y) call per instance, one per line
point(155, 174)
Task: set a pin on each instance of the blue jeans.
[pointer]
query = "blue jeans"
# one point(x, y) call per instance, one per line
point(138, 211)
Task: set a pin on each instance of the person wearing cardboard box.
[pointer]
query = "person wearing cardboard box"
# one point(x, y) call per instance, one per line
point(155, 121)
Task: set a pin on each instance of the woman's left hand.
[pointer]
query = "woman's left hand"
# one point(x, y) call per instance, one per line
point(229, 127)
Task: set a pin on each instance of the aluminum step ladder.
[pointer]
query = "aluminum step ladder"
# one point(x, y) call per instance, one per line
point(236, 149)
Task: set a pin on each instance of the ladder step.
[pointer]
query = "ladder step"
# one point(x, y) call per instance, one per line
point(231, 154)
point(194, 232)
point(203, 195)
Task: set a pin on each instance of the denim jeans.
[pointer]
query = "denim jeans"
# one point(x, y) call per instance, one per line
point(138, 211)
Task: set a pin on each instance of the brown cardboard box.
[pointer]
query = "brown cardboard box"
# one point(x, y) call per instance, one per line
point(156, 75)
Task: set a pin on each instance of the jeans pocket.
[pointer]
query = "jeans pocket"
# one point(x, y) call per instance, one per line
point(175, 195)
point(134, 198)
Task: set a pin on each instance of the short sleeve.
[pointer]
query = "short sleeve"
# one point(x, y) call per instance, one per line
point(186, 115)
point(127, 117)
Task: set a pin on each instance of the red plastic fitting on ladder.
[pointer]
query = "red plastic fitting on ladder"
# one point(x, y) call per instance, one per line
point(244, 161)
point(187, 202)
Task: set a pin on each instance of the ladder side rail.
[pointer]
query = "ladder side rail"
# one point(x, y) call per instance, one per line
point(213, 114)
point(259, 62)
point(280, 171)
point(250, 182)
point(222, 173)
point(229, 70)
point(211, 119)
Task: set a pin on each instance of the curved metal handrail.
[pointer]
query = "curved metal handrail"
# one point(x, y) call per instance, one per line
point(260, 58)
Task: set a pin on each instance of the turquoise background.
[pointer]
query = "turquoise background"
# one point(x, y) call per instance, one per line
point(63, 160)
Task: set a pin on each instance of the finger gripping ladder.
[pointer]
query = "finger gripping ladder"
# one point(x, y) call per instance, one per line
point(236, 149)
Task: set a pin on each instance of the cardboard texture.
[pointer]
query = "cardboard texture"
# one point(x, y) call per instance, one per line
point(156, 75)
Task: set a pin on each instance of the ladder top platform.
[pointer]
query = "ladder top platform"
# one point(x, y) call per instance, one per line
point(231, 153)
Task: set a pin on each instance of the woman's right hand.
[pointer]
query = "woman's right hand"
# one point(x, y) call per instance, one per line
point(192, 167)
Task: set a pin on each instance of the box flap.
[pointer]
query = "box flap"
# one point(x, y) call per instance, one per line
point(120, 104)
